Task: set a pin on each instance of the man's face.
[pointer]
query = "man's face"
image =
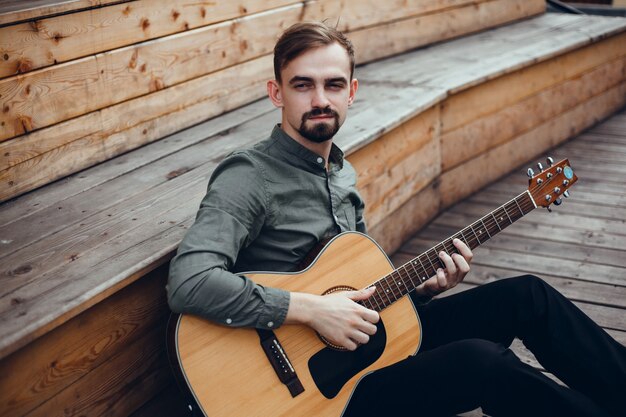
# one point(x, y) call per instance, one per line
point(315, 93)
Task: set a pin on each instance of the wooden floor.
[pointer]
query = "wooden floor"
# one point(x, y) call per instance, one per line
point(579, 248)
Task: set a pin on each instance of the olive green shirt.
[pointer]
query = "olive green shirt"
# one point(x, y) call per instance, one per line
point(265, 209)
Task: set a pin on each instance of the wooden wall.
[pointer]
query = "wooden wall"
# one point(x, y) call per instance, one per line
point(82, 87)
point(479, 134)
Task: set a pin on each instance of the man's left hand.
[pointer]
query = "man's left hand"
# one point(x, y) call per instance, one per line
point(457, 266)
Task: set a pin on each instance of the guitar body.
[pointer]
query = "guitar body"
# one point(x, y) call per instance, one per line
point(229, 375)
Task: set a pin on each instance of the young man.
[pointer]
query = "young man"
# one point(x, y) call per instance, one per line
point(267, 207)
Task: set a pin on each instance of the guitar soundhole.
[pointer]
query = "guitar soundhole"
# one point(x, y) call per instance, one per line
point(331, 368)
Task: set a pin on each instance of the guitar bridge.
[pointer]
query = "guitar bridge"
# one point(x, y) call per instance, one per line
point(280, 362)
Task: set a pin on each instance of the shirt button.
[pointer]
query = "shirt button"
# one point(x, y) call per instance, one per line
point(229, 321)
point(320, 160)
point(270, 324)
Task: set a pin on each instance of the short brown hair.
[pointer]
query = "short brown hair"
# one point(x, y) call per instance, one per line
point(304, 36)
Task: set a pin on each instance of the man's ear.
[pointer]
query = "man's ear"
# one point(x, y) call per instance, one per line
point(274, 92)
point(354, 85)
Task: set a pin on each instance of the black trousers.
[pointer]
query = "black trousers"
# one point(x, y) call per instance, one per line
point(464, 361)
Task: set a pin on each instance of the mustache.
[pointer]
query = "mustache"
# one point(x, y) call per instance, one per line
point(326, 111)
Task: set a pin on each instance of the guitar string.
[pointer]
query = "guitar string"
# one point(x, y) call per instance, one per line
point(403, 272)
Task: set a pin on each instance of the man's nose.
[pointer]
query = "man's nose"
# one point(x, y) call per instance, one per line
point(319, 99)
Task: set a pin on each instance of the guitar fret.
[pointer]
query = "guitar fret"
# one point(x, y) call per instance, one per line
point(518, 206)
point(415, 273)
point(464, 238)
point(405, 286)
point(474, 231)
point(496, 220)
point(385, 291)
point(485, 227)
point(426, 276)
point(375, 298)
point(507, 213)
point(431, 262)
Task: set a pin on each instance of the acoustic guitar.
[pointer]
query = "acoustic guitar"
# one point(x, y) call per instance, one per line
point(292, 371)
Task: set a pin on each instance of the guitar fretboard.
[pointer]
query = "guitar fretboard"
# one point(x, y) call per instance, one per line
point(409, 276)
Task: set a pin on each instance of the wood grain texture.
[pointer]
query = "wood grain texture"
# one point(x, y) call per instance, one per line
point(494, 129)
point(48, 96)
point(471, 104)
point(51, 41)
point(407, 34)
point(113, 245)
point(578, 249)
point(62, 358)
point(465, 179)
point(37, 152)
point(12, 11)
point(45, 42)
point(49, 154)
point(224, 354)
point(42, 98)
point(388, 168)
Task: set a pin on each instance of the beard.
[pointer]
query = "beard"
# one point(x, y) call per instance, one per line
point(320, 131)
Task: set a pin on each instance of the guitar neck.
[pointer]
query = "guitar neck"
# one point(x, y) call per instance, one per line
point(409, 276)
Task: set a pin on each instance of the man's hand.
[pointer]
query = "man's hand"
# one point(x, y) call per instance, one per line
point(457, 266)
point(336, 316)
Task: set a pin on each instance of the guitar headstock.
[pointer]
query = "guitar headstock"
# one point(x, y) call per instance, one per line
point(550, 183)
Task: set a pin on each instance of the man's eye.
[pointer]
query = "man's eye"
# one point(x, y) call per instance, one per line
point(336, 86)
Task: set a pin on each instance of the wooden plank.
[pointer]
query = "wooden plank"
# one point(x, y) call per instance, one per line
point(12, 11)
point(512, 242)
point(387, 169)
point(112, 244)
point(462, 181)
point(52, 153)
point(63, 38)
point(542, 264)
point(506, 90)
point(591, 195)
point(572, 206)
point(591, 238)
point(407, 219)
point(113, 199)
point(559, 219)
point(51, 95)
point(44, 198)
point(119, 386)
point(45, 42)
point(106, 185)
point(411, 33)
point(491, 130)
point(76, 129)
point(27, 176)
point(132, 71)
point(62, 357)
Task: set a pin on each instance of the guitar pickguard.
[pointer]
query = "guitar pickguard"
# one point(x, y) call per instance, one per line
point(331, 368)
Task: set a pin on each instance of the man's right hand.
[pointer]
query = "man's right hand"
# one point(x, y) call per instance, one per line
point(336, 316)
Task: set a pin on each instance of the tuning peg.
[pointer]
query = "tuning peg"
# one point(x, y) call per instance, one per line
point(540, 166)
point(550, 161)
point(558, 202)
point(530, 173)
point(566, 194)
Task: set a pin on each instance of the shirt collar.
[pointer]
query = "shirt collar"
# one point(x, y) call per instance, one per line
point(290, 145)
